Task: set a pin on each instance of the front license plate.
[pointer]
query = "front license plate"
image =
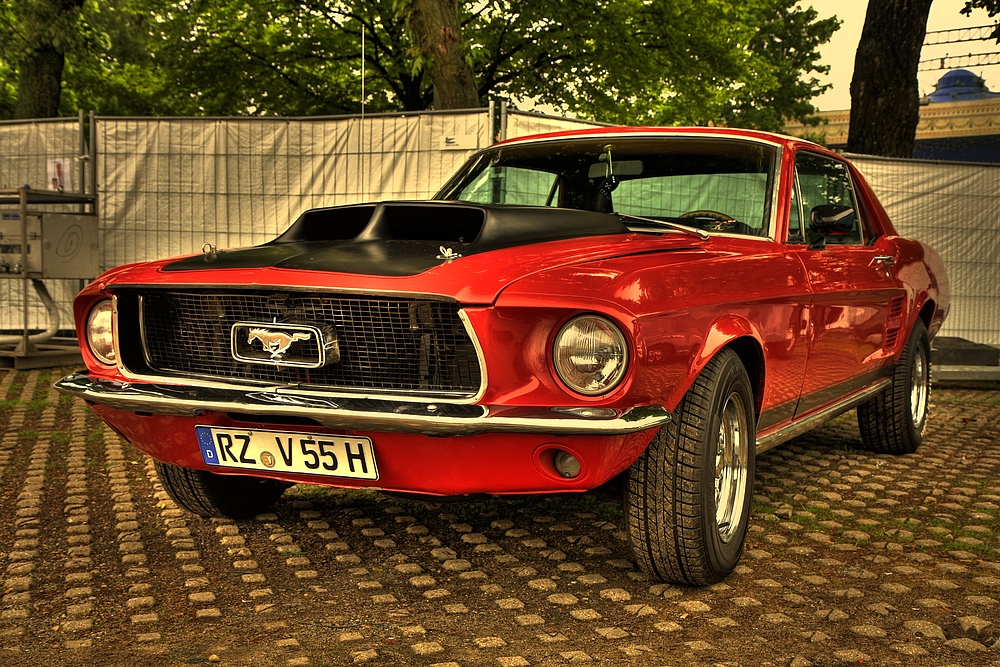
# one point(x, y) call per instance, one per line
point(281, 451)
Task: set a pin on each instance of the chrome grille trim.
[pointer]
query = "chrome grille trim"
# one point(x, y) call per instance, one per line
point(392, 346)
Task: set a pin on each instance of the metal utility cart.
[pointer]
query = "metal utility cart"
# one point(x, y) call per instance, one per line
point(42, 237)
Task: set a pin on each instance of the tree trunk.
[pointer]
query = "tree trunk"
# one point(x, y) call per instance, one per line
point(40, 85)
point(48, 26)
point(438, 35)
point(885, 105)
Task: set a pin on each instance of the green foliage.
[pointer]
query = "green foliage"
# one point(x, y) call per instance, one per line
point(992, 8)
point(750, 63)
point(740, 64)
point(116, 71)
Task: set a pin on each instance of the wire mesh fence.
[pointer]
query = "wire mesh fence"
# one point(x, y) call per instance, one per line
point(27, 147)
point(33, 153)
point(167, 186)
point(955, 208)
point(514, 124)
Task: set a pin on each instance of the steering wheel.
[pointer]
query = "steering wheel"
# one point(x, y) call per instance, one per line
point(720, 221)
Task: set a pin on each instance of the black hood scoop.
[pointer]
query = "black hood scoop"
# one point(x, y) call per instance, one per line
point(405, 238)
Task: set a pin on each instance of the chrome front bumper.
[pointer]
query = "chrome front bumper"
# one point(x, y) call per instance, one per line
point(361, 414)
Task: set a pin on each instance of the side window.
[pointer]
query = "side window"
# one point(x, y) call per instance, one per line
point(825, 181)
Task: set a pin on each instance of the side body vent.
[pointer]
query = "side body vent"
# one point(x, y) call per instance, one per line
point(894, 323)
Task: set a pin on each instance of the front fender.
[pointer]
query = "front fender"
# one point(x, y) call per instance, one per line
point(728, 330)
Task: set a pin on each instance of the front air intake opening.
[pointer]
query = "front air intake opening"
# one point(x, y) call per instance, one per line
point(447, 224)
point(337, 223)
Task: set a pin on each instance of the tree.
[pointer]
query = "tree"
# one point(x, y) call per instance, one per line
point(39, 32)
point(781, 81)
point(884, 93)
point(438, 35)
point(733, 62)
point(885, 105)
point(992, 8)
point(657, 61)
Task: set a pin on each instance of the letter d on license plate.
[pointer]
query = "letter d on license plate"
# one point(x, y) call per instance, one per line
point(281, 451)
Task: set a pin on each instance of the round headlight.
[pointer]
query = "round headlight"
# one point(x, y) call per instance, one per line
point(100, 333)
point(590, 355)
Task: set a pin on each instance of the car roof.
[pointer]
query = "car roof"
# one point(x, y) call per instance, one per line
point(630, 131)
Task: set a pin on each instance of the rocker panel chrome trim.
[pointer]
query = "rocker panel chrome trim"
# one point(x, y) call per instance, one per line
point(808, 423)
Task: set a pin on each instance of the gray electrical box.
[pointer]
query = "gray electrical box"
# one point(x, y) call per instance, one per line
point(60, 245)
point(44, 235)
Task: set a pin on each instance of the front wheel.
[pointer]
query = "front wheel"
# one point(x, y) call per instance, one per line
point(209, 495)
point(893, 422)
point(687, 499)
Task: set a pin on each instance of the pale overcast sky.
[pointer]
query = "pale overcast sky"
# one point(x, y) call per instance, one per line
point(839, 52)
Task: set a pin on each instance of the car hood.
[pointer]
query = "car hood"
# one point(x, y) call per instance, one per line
point(508, 244)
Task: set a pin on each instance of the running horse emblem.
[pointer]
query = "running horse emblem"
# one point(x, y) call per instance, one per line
point(275, 342)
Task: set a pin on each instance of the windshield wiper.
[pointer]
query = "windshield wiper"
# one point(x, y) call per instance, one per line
point(684, 229)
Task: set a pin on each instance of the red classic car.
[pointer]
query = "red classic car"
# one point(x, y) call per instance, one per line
point(659, 302)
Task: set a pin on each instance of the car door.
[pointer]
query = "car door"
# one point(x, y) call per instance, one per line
point(856, 299)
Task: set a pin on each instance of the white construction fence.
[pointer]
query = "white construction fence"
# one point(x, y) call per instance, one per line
point(955, 208)
point(168, 186)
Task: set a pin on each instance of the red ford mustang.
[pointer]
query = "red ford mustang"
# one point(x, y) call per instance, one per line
point(663, 303)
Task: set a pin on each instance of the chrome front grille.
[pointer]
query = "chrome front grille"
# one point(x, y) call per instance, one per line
point(387, 345)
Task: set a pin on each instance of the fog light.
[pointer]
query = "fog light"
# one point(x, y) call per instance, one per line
point(566, 464)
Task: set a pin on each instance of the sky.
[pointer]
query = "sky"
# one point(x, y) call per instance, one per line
point(839, 52)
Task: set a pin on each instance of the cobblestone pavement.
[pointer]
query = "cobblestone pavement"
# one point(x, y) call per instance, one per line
point(853, 559)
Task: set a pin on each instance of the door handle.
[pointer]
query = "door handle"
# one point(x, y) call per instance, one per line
point(884, 260)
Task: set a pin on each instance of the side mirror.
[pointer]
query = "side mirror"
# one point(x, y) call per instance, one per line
point(832, 219)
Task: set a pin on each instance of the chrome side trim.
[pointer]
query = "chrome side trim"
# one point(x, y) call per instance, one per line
point(806, 424)
point(772, 223)
point(291, 287)
point(361, 414)
point(471, 331)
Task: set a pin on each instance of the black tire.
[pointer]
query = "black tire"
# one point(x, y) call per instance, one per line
point(673, 492)
point(207, 494)
point(893, 422)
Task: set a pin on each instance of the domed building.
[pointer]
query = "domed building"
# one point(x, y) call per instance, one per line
point(959, 85)
point(959, 121)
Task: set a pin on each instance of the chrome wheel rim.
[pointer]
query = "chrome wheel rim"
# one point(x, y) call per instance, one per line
point(731, 456)
point(919, 386)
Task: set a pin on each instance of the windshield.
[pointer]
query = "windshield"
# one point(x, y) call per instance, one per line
point(712, 184)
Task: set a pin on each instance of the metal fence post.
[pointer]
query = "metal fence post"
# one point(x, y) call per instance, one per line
point(503, 119)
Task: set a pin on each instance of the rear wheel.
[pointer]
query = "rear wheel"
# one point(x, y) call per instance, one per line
point(893, 422)
point(687, 498)
point(207, 494)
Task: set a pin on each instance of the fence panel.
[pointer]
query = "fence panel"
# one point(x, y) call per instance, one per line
point(26, 147)
point(170, 185)
point(521, 124)
point(954, 207)
point(167, 186)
